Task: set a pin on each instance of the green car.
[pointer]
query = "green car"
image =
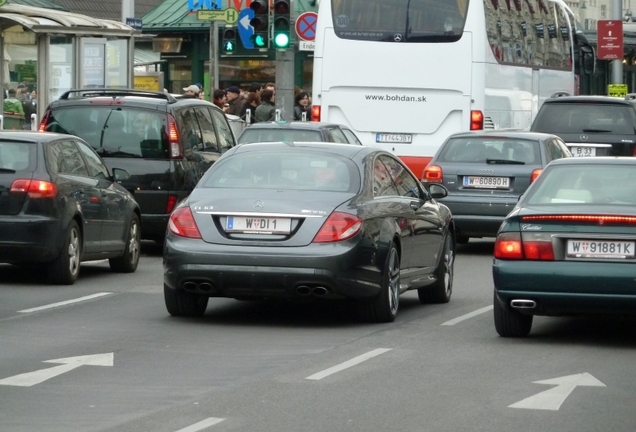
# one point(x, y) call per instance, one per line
point(568, 247)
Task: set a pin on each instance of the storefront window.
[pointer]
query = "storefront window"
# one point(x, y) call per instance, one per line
point(117, 63)
point(180, 75)
point(61, 68)
point(20, 76)
point(242, 73)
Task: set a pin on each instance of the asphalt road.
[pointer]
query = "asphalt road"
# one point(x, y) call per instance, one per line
point(104, 355)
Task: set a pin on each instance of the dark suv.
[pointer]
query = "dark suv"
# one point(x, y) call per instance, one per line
point(165, 143)
point(590, 125)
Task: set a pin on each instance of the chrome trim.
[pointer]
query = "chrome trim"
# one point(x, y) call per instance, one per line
point(572, 144)
point(252, 214)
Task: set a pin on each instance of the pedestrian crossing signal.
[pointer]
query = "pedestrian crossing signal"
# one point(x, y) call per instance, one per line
point(229, 40)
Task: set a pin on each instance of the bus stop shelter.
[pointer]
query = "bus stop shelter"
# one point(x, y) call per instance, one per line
point(55, 51)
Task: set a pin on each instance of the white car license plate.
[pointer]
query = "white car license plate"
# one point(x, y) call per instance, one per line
point(583, 151)
point(258, 225)
point(394, 138)
point(487, 182)
point(600, 249)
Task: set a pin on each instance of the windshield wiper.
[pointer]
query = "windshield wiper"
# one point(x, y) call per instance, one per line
point(103, 152)
point(7, 170)
point(596, 130)
point(504, 161)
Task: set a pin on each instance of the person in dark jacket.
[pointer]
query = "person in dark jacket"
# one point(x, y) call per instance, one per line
point(301, 105)
point(266, 111)
point(234, 100)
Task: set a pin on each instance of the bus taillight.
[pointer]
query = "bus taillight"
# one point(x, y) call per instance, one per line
point(476, 120)
point(315, 113)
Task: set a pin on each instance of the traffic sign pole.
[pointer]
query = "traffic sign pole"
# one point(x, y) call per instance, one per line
point(617, 65)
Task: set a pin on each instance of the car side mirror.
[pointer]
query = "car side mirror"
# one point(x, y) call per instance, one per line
point(436, 191)
point(120, 175)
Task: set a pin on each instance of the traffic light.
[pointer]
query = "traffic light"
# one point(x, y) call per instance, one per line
point(229, 40)
point(260, 22)
point(282, 24)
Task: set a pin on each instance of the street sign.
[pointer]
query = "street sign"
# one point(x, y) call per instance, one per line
point(306, 46)
point(617, 90)
point(610, 40)
point(135, 23)
point(306, 26)
point(229, 16)
point(246, 31)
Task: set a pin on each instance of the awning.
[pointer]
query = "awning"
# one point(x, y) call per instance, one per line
point(39, 20)
point(146, 56)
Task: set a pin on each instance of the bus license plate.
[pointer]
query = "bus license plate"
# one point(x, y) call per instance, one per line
point(487, 182)
point(258, 225)
point(583, 151)
point(600, 249)
point(394, 138)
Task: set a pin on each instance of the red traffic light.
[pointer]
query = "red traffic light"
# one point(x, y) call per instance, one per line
point(259, 6)
point(281, 7)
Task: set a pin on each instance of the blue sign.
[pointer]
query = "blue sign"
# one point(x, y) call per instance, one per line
point(246, 31)
point(135, 23)
point(195, 5)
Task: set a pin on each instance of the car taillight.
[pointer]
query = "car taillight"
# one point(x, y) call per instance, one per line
point(34, 188)
point(433, 174)
point(476, 120)
point(595, 219)
point(182, 223)
point(172, 201)
point(176, 151)
point(535, 174)
point(45, 119)
point(338, 227)
point(315, 113)
point(530, 246)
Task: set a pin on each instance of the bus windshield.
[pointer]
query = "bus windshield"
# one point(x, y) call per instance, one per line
point(399, 20)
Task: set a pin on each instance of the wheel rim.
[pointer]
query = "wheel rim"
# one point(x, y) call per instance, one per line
point(449, 259)
point(73, 252)
point(394, 281)
point(133, 245)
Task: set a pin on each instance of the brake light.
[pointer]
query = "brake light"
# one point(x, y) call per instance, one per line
point(176, 151)
point(45, 119)
point(338, 227)
point(172, 201)
point(476, 120)
point(535, 174)
point(315, 113)
point(34, 188)
point(530, 246)
point(182, 223)
point(433, 174)
point(597, 219)
point(508, 246)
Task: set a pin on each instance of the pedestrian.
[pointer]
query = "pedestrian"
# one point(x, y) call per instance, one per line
point(253, 100)
point(220, 99)
point(30, 106)
point(266, 111)
point(191, 91)
point(271, 86)
point(301, 105)
point(256, 88)
point(234, 100)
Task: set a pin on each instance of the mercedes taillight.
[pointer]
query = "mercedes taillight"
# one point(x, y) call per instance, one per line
point(338, 227)
point(182, 223)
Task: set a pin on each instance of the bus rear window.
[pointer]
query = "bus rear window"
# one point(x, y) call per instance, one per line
point(399, 20)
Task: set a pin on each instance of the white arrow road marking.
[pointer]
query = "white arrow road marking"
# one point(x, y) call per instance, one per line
point(211, 421)
point(68, 364)
point(354, 361)
point(553, 398)
point(467, 316)
point(245, 21)
point(64, 303)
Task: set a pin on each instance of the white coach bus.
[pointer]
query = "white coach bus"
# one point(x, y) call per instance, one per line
point(405, 74)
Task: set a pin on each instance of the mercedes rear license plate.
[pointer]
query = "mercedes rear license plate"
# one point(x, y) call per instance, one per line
point(394, 138)
point(600, 249)
point(258, 225)
point(487, 182)
point(583, 151)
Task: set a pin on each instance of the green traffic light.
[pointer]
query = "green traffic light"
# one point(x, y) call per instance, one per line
point(281, 40)
point(259, 41)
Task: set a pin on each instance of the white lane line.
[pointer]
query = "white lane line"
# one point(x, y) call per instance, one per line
point(342, 366)
point(64, 303)
point(468, 316)
point(211, 421)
